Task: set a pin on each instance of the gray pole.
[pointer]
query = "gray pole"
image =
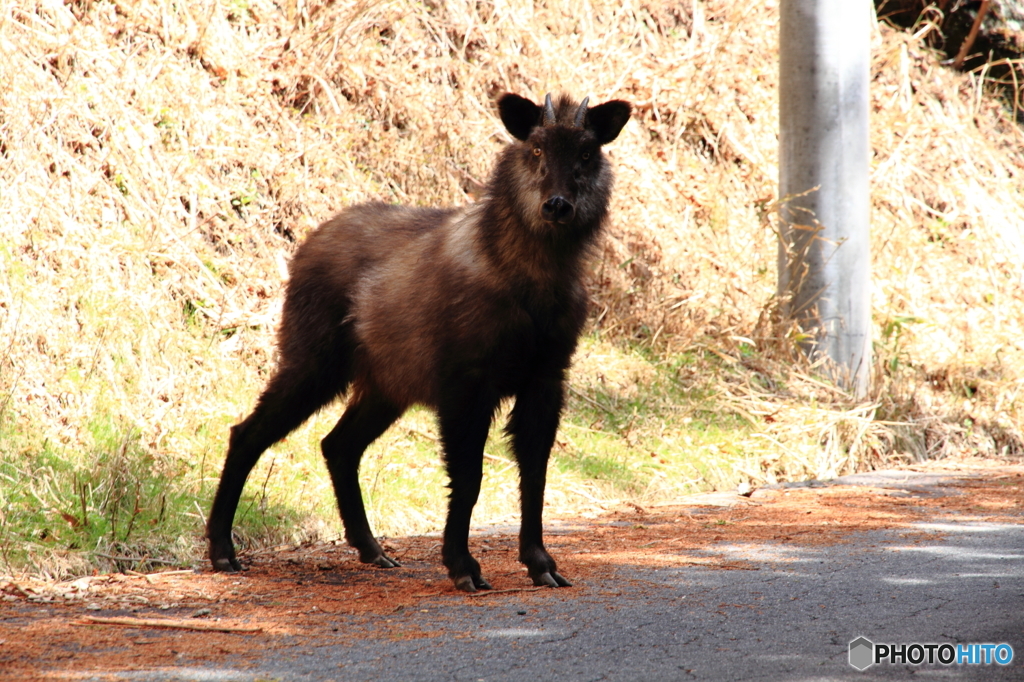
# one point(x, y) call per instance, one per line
point(824, 251)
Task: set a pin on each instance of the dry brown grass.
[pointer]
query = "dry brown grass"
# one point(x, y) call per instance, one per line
point(159, 161)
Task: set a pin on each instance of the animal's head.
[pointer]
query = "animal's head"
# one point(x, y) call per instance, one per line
point(561, 176)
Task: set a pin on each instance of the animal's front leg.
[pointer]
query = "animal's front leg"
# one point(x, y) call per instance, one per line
point(464, 424)
point(532, 426)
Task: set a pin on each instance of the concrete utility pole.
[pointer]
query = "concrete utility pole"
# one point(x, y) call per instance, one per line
point(824, 251)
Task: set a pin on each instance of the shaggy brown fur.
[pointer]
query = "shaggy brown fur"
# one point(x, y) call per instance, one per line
point(456, 309)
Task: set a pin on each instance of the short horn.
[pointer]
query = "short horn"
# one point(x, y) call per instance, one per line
point(549, 111)
point(581, 113)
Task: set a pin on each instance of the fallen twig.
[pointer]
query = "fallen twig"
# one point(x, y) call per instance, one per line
point(578, 394)
point(169, 623)
point(151, 577)
point(137, 560)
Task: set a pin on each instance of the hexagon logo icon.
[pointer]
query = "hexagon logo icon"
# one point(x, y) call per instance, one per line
point(862, 653)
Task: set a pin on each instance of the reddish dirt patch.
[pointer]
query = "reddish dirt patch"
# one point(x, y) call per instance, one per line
point(297, 595)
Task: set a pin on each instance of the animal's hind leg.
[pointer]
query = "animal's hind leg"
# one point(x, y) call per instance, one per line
point(464, 427)
point(289, 399)
point(368, 416)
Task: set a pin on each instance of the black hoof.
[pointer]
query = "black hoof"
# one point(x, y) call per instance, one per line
point(370, 551)
point(226, 565)
point(468, 583)
point(550, 579)
point(382, 560)
point(222, 556)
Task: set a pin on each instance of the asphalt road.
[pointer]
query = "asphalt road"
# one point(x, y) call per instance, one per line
point(790, 619)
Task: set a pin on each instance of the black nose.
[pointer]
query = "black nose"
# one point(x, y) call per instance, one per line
point(558, 210)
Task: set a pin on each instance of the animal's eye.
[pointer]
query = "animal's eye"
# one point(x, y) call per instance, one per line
point(586, 156)
point(536, 151)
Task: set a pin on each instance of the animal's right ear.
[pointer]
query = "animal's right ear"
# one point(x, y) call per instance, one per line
point(519, 115)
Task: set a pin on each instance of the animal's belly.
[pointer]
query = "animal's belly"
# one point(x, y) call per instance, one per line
point(416, 361)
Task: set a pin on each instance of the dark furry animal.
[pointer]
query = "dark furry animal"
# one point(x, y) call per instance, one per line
point(456, 309)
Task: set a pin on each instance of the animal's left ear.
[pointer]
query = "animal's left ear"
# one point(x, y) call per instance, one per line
point(606, 120)
point(519, 115)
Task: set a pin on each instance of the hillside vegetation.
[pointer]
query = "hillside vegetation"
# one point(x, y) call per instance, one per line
point(160, 161)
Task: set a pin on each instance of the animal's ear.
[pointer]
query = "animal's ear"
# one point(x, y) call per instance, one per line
point(519, 115)
point(606, 120)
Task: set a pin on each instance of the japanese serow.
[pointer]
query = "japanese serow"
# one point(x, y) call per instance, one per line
point(455, 309)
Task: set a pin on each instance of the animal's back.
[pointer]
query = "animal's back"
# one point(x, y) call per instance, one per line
point(326, 272)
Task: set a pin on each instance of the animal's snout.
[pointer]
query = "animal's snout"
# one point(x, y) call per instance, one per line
point(558, 210)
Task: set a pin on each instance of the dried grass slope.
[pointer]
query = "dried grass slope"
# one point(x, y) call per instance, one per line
point(159, 161)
